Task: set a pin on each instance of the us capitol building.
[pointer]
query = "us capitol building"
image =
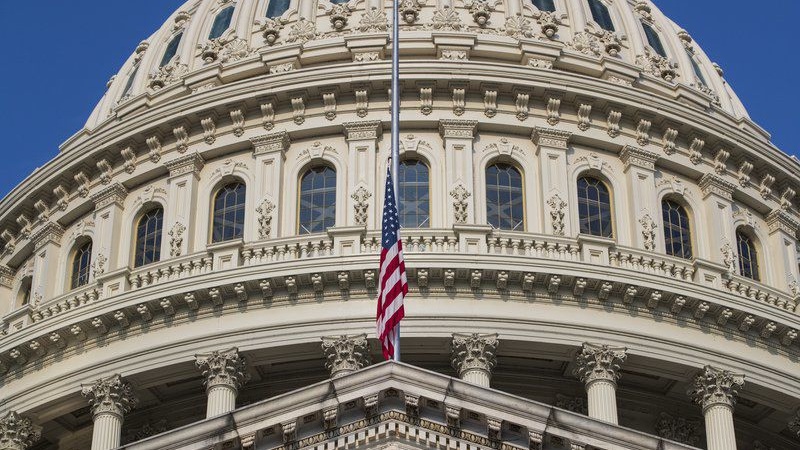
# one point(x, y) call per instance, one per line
point(601, 245)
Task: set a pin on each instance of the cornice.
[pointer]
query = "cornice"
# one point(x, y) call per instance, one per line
point(113, 194)
point(780, 220)
point(363, 131)
point(551, 137)
point(192, 163)
point(634, 156)
point(459, 129)
point(714, 184)
point(49, 232)
point(269, 143)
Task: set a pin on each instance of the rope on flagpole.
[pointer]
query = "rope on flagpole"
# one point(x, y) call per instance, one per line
point(396, 128)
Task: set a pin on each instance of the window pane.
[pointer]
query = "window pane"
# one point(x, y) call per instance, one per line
point(504, 206)
point(171, 50)
point(148, 238)
point(129, 83)
point(545, 5)
point(594, 207)
point(80, 265)
point(696, 68)
point(317, 200)
point(677, 235)
point(653, 39)
point(277, 8)
point(601, 15)
point(414, 194)
point(229, 207)
point(748, 259)
point(221, 23)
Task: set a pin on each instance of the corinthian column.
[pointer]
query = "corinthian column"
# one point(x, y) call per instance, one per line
point(110, 399)
point(598, 367)
point(18, 432)
point(345, 354)
point(474, 356)
point(715, 390)
point(225, 372)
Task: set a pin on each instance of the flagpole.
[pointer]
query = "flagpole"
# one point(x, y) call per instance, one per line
point(396, 128)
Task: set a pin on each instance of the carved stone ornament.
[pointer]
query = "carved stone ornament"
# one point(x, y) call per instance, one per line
point(167, 75)
point(656, 65)
point(303, 30)
point(586, 43)
point(147, 430)
point(176, 239)
point(271, 28)
point(574, 404)
point(648, 232)
point(518, 27)
point(548, 23)
point(18, 432)
point(460, 203)
point(99, 265)
point(599, 363)
point(474, 352)
point(481, 11)
point(110, 395)
point(714, 387)
point(223, 368)
point(446, 19)
point(794, 425)
point(361, 198)
point(339, 14)
point(264, 211)
point(679, 429)
point(374, 21)
point(345, 354)
point(557, 207)
point(409, 10)
point(728, 256)
point(609, 41)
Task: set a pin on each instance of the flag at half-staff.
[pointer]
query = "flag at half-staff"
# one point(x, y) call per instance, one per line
point(392, 283)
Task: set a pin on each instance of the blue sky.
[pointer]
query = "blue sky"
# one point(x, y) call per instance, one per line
point(60, 54)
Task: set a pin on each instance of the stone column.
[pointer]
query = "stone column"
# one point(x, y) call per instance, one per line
point(645, 211)
point(598, 367)
point(18, 432)
point(474, 356)
point(269, 152)
point(110, 399)
point(716, 390)
point(180, 218)
point(458, 137)
point(345, 354)
point(551, 150)
point(225, 372)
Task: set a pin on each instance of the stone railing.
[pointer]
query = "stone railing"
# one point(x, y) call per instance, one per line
point(169, 270)
point(756, 291)
point(653, 263)
point(430, 240)
point(73, 299)
point(287, 249)
point(537, 246)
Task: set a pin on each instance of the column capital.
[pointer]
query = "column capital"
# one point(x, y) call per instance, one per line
point(111, 395)
point(18, 432)
point(269, 143)
point(714, 184)
point(780, 220)
point(191, 163)
point(49, 232)
point(634, 156)
point(456, 128)
point(114, 193)
point(345, 354)
point(599, 362)
point(715, 386)
point(223, 368)
point(794, 424)
point(551, 137)
point(363, 131)
point(474, 352)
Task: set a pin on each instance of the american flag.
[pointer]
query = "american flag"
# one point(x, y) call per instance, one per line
point(393, 282)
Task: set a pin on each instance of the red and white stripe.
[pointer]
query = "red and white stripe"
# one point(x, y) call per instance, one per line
point(393, 285)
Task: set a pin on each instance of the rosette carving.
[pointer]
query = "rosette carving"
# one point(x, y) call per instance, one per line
point(656, 65)
point(599, 363)
point(713, 387)
point(111, 395)
point(474, 352)
point(167, 75)
point(302, 31)
point(223, 368)
point(374, 21)
point(345, 354)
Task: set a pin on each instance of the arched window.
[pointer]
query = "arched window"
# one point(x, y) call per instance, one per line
point(601, 15)
point(148, 237)
point(24, 293)
point(677, 233)
point(696, 68)
point(129, 83)
point(317, 200)
point(81, 262)
point(504, 207)
point(545, 5)
point(277, 8)
point(748, 257)
point(171, 51)
point(653, 39)
point(415, 205)
point(229, 213)
point(221, 23)
point(594, 207)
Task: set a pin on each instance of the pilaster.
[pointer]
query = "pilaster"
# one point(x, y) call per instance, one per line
point(345, 354)
point(598, 367)
point(640, 167)
point(551, 149)
point(716, 391)
point(782, 250)
point(362, 146)
point(458, 138)
point(182, 187)
point(18, 432)
point(269, 152)
point(47, 251)
point(109, 399)
point(108, 208)
point(718, 200)
point(474, 356)
point(224, 372)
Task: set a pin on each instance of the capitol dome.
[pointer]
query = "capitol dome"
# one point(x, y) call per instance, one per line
point(601, 246)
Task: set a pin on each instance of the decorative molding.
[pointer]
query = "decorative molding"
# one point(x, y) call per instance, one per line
point(460, 203)
point(596, 362)
point(474, 352)
point(714, 184)
point(455, 128)
point(361, 198)
point(273, 142)
point(223, 368)
point(551, 138)
point(345, 354)
point(679, 429)
point(780, 220)
point(363, 131)
point(637, 157)
point(557, 213)
point(176, 239)
point(648, 232)
point(154, 144)
point(374, 21)
point(714, 386)
point(264, 211)
point(110, 395)
point(113, 194)
point(192, 163)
